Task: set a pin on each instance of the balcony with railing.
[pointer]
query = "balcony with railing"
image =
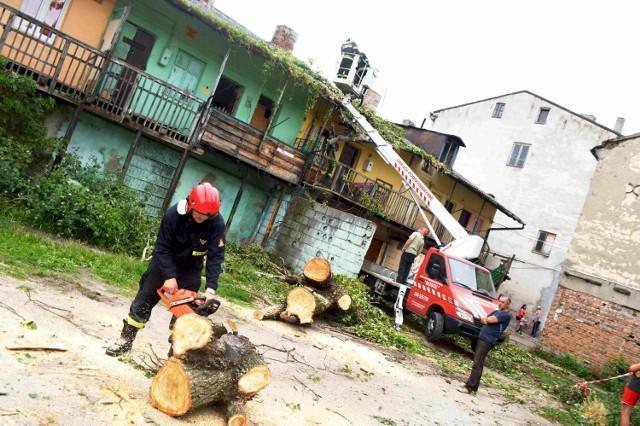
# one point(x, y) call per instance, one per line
point(327, 173)
point(67, 68)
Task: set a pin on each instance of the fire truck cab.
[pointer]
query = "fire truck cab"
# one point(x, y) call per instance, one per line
point(452, 294)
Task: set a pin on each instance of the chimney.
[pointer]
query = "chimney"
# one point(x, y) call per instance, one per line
point(619, 125)
point(285, 38)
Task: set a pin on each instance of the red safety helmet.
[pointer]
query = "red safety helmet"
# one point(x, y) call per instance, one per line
point(204, 199)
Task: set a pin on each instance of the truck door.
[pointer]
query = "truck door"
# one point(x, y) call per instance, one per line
point(430, 278)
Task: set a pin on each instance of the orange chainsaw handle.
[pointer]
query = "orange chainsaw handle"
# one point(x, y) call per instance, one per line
point(180, 294)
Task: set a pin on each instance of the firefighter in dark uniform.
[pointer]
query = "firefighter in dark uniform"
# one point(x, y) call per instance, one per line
point(189, 231)
point(349, 49)
point(361, 69)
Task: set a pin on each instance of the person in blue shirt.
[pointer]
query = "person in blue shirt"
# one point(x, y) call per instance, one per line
point(493, 326)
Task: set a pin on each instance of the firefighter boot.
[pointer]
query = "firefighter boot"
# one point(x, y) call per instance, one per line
point(124, 343)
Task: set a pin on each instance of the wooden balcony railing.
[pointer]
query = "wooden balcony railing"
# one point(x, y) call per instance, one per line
point(67, 68)
point(326, 172)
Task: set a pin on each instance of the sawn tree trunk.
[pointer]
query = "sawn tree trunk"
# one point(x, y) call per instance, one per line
point(208, 366)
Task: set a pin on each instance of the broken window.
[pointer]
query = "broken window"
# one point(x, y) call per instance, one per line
point(262, 113)
point(544, 243)
point(227, 96)
point(49, 12)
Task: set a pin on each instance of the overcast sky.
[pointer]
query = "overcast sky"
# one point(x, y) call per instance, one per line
point(437, 54)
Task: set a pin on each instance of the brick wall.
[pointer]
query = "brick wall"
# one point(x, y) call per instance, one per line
point(592, 329)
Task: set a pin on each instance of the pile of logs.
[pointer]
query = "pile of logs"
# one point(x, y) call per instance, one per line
point(316, 291)
point(209, 365)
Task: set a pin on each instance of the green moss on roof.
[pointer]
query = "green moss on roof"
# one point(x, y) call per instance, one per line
point(300, 72)
point(303, 75)
point(395, 135)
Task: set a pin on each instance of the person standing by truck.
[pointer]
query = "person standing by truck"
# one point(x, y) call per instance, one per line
point(411, 248)
point(493, 326)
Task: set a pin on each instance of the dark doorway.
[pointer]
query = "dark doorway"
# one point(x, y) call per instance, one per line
point(262, 114)
point(134, 48)
point(349, 155)
point(374, 250)
point(227, 96)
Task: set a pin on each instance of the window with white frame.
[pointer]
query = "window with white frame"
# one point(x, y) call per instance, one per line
point(498, 110)
point(50, 12)
point(543, 115)
point(544, 243)
point(518, 154)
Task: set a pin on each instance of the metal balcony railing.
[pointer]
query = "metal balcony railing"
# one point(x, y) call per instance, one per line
point(328, 173)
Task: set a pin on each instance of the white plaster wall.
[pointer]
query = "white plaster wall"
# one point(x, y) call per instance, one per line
point(606, 243)
point(547, 193)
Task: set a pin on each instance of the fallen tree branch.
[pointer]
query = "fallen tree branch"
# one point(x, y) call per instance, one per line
point(308, 388)
point(13, 311)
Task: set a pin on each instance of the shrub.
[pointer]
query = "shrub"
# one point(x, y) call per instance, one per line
point(81, 202)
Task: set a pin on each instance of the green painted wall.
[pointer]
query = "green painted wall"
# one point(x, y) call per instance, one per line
point(109, 144)
point(95, 137)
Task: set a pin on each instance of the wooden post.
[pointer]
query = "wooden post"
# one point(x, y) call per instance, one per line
point(56, 74)
point(109, 55)
point(7, 30)
point(274, 214)
point(68, 134)
point(245, 178)
point(273, 116)
point(132, 149)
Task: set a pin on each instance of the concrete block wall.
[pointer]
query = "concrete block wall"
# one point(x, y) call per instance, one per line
point(315, 230)
point(592, 329)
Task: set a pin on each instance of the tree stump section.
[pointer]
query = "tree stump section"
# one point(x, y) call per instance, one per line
point(317, 292)
point(207, 367)
point(317, 272)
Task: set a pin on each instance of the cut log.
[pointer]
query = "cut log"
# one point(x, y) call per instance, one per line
point(306, 302)
point(270, 312)
point(326, 298)
point(194, 332)
point(228, 369)
point(301, 304)
point(317, 272)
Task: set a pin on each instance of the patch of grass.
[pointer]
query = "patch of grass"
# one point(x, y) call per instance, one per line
point(385, 421)
point(560, 416)
point(24, 253)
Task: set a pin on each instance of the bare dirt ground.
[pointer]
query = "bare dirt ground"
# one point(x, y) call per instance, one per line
point(320, 375)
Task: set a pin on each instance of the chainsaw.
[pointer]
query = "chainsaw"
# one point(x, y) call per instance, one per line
point(184, 301)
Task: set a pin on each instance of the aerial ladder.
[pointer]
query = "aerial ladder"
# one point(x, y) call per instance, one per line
point(463, 245)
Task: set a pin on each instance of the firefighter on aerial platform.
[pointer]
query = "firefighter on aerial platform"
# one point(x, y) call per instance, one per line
point(361, 69)
point(349, 50)
point(189, 231)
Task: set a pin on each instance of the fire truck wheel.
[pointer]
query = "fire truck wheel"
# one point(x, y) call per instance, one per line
point(435, 326)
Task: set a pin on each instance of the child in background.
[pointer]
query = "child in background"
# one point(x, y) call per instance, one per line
point(521, 324)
